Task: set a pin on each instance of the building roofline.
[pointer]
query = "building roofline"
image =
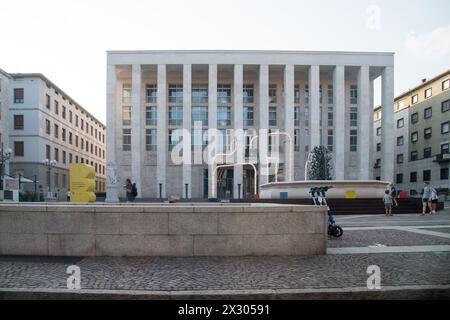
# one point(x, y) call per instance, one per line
point(6, 74)
point(109, 52)
point(47, 80)
point(425, 84)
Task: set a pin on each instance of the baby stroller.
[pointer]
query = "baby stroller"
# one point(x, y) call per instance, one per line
point(319, 198)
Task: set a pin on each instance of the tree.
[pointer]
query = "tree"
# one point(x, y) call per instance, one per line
point(320, 165)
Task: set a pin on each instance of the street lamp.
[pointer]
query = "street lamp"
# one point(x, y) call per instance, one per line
point(4, 156)
point(49, 164)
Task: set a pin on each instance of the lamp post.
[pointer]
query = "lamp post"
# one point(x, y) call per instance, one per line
point(49, 164)
point(4, 157)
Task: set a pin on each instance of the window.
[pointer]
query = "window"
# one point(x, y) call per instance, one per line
point(126, 116)
point(63, 157)
point(126, 94)
point(445, 106)
point(150, 116)
point(415, 99)
point(18, 95)
point(297, 94)
point(176, 116)
point(47, 126)
point(70, 158)
point(176, 93)
point(414, 137)
point(82, 122)
point(47, 101)
point(427, 133)
point(47, 152)
point(248, 93)
point(297, 116)
point(56, 128)
point(306, 94)
point(330, 94)
point(18, 122)
point(378, 163)
point(427, 153)
point(272, 116)
point(428, 93)
point(399, 178)
point(63, 112)
point(330, 140)
point(175, 137)
point(199, 139)
point(426, 175)
point(199, 93)
point(19, 149)
point(445, 84)
point(353, 117)
point(378, 147)
point(248, 116)
point(126, 140)
point(150, 139)
point(297, 140)
point(400, 141)
point(413, 177)
point(76, 120)
point(306, 116)
point(76, 141)
point(427, 113)
point(200, 114)
point(445, 148)
point(444, 174)
point(330, 116)
point(353, 140)
point(223, 94)
point(400, 123)
point(63, 134)
point(223, 116)
point(56, 107)
point(272, 93)
point(70, 116)
point(445, 127)
point(56, 154)
point(379, 131)
point(415, 118)
point(414, 155)
point(353, 94)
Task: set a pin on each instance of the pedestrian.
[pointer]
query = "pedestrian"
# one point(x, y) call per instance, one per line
point(387, 200)
point(68, 195)
point(393, 193)
point(434, 199)
point(426, 198)
point(129, 190)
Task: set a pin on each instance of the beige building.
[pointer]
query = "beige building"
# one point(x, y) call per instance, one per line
point(46, 123)
point(422, 135)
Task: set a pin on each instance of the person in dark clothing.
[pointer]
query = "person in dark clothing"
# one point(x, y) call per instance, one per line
point(129, 190)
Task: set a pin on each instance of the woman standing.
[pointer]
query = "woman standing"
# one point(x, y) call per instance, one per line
point(426, 198)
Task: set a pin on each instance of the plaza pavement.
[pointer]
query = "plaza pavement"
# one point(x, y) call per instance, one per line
point(413, 254)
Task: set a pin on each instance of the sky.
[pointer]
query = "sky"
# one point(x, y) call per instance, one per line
point(67, 40)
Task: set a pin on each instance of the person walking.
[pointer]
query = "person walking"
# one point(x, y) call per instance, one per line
point(387, 199)
point(129, 190)
point(434, 199)
point(426, 198)
point(393, 193)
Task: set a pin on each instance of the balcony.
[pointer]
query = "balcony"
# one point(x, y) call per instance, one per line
point(442, 158)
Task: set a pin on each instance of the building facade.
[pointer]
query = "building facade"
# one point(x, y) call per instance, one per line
point(422, 136)
point(46, 123)
point(4, 141)
point(312, 98)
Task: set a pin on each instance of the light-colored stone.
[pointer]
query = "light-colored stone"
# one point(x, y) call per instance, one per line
point(70, 223)
point(144, 223)
point(23, 244)
point(107, 223)
point(71, 245)
point(190, 224)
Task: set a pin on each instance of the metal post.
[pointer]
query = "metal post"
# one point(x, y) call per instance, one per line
point(35, 188)
point(186, 188)
point(239, 191)
point(160, 190)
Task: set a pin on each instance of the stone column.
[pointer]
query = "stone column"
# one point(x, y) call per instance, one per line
point(238, 127)
point(112, 179)
point(263, 123)
point(314, 106)
point(162, 147)
point(372, 146)
point(387, 124)
point(339, 122)
point(212, 125)
point(289, 121)
point(136, 128)
point(187, 114)
point(365, 115)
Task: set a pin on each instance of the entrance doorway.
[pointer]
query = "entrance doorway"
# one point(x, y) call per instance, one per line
point(225, 183)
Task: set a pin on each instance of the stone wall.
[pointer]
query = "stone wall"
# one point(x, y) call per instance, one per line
point(162, 230)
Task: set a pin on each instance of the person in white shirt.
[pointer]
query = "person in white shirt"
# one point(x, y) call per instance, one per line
point(387, 200)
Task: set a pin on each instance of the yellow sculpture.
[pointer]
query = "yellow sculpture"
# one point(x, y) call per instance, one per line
point(82, 183)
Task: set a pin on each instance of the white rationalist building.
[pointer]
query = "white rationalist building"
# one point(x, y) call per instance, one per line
point(265, 109)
